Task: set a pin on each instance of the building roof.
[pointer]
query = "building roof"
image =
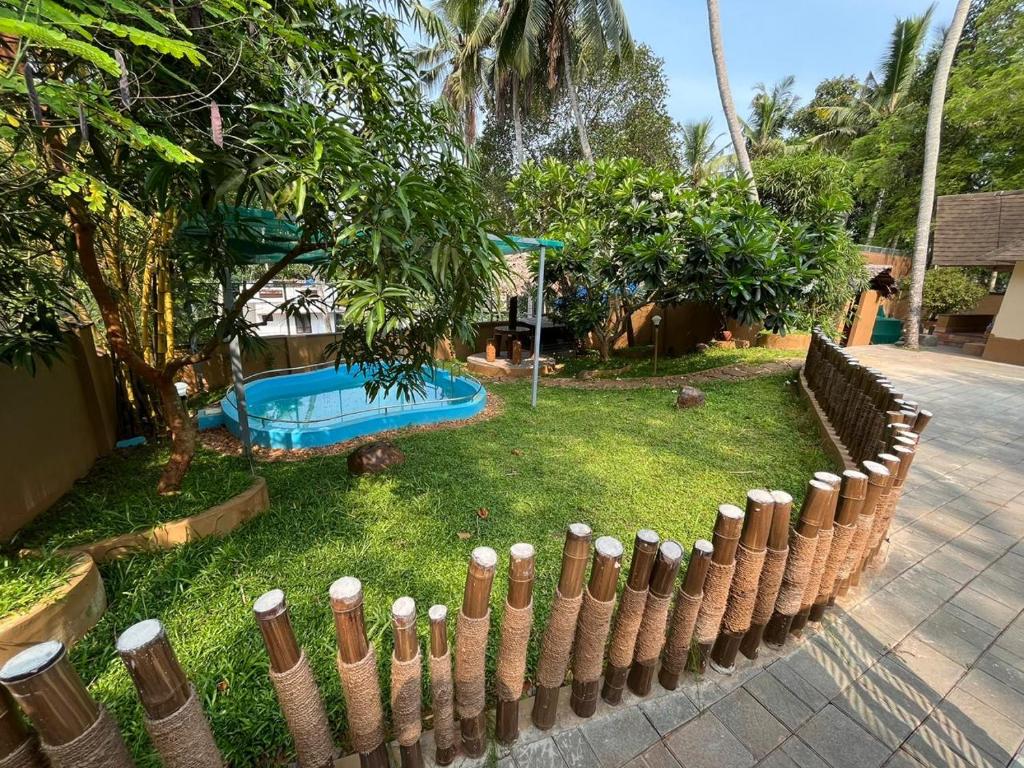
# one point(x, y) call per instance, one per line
point(979, 229)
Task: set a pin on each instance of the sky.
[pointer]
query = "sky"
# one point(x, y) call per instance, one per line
point(765, 40)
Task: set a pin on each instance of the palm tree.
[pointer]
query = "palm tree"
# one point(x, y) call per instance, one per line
point(725, 92)
point(881, 98)
point(932, 140)
point(702, 157)
point(515, 64)
point(770, 112)
point(573, 33)
point(458, 57)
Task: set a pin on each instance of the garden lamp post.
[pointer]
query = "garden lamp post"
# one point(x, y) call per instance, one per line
point(656, 320)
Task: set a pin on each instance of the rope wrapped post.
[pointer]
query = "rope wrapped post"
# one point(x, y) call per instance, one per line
point(883, 511)
point(629, 615)
point(293, 681)
point(442, 691)
point(650, 640)
point(556, 645)
point(750, 557)
point(174, 716)
point(878, 479)
point(406, 682)
point(515, 638)
point(18, 747)
point(357, 668)
point(851, 499)
point(74, 731)
point(594, 625)
point(774, 568)
point(725, 539)
point(474, 624)
point(684, 615)
point(822, 548)
point(904, 449)
point(802, 540)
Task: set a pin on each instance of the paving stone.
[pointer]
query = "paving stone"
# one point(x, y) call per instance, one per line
point(779, 700)
point(993, 691)
point(965, 717)
point(969, 618)
point(1004, 666)
point(505, 762)
point(984, 607)
point(705, 742)
point(669, 712)
point(933, 745)
point(539, 754)
point(841, 741)
point(902, 759)
point(960, 641)
point(929, 666)
point(575, 749)
point(803, 690)
point(657, 756)
point(752, 724)
point(826, 672)
point(946, 562)
point(1007, 588)
point(888, 701)
point(801, 754)
point(619, 737)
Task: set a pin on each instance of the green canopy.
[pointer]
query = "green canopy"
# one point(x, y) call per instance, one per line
point(257, 236)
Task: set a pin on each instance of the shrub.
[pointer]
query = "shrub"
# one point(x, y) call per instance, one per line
point(948, 290)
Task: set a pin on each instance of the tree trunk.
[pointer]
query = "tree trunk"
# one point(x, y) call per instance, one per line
point(725, 92)
point(183, 439)
point(470, 127)
point(574, 103)
point(875, 211)
point(932, 141)
point(518, 153)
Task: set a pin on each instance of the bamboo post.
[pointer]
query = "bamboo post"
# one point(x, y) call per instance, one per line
point(406, 682)
point(515, 637)
point(725, 539)
point(922, 420)
point(174, 716)
point(750, 557)
point(777, 552)
point(629, 615)
point(471, 633)
point(878, 479)
point(897, 461)
point(892, 464)
point(802, 541)
point(357, 667)
point(18, 747)
point(73, 729)
point(442, 691)
point(293, 681)
point(556, 645)
point(684, 615)
point(822, 548)
point(851, 499)
point(650, 640)
point(594, 625)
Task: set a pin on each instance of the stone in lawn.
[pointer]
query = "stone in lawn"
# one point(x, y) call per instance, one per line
point(742, 344)
point(587, 374)
point(689, 397)
point(373, 458)
point(702, 347)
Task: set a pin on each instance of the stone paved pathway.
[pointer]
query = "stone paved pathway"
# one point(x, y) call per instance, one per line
point(921, 666)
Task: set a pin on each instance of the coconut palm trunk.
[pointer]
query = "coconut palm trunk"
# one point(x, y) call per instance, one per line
point(728, 107)
point(876, 209)
point(574, 103)
point(518, 153)
point(932, 141)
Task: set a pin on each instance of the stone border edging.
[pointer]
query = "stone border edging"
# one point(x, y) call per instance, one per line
point(65, 614)
point(215, 521)
point(833, 445)
point(737, 372)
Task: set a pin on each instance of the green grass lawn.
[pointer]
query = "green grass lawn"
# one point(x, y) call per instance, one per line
point(118, 496)
point(675, 366)
point(27, 580)
point(616, 460)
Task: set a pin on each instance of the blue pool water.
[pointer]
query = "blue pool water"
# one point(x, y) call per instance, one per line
point(326, 406)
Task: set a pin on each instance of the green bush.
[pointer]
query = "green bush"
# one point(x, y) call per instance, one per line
point(811, 186)
point(948, 290)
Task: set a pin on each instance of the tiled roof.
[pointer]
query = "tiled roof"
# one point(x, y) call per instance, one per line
point(979, 229)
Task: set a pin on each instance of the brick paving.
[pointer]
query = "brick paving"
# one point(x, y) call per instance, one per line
point(923, 665)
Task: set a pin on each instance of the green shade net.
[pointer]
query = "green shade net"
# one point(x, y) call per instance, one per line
point(257, 236)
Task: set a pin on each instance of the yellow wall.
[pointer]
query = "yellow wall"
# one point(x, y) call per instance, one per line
point(1006, 343)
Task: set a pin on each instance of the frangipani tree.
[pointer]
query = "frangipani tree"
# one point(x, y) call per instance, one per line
point(121, 123)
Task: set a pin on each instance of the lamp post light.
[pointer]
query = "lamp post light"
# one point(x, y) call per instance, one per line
point(657, 322)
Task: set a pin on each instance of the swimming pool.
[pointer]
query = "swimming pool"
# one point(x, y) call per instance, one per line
point(326, 406)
